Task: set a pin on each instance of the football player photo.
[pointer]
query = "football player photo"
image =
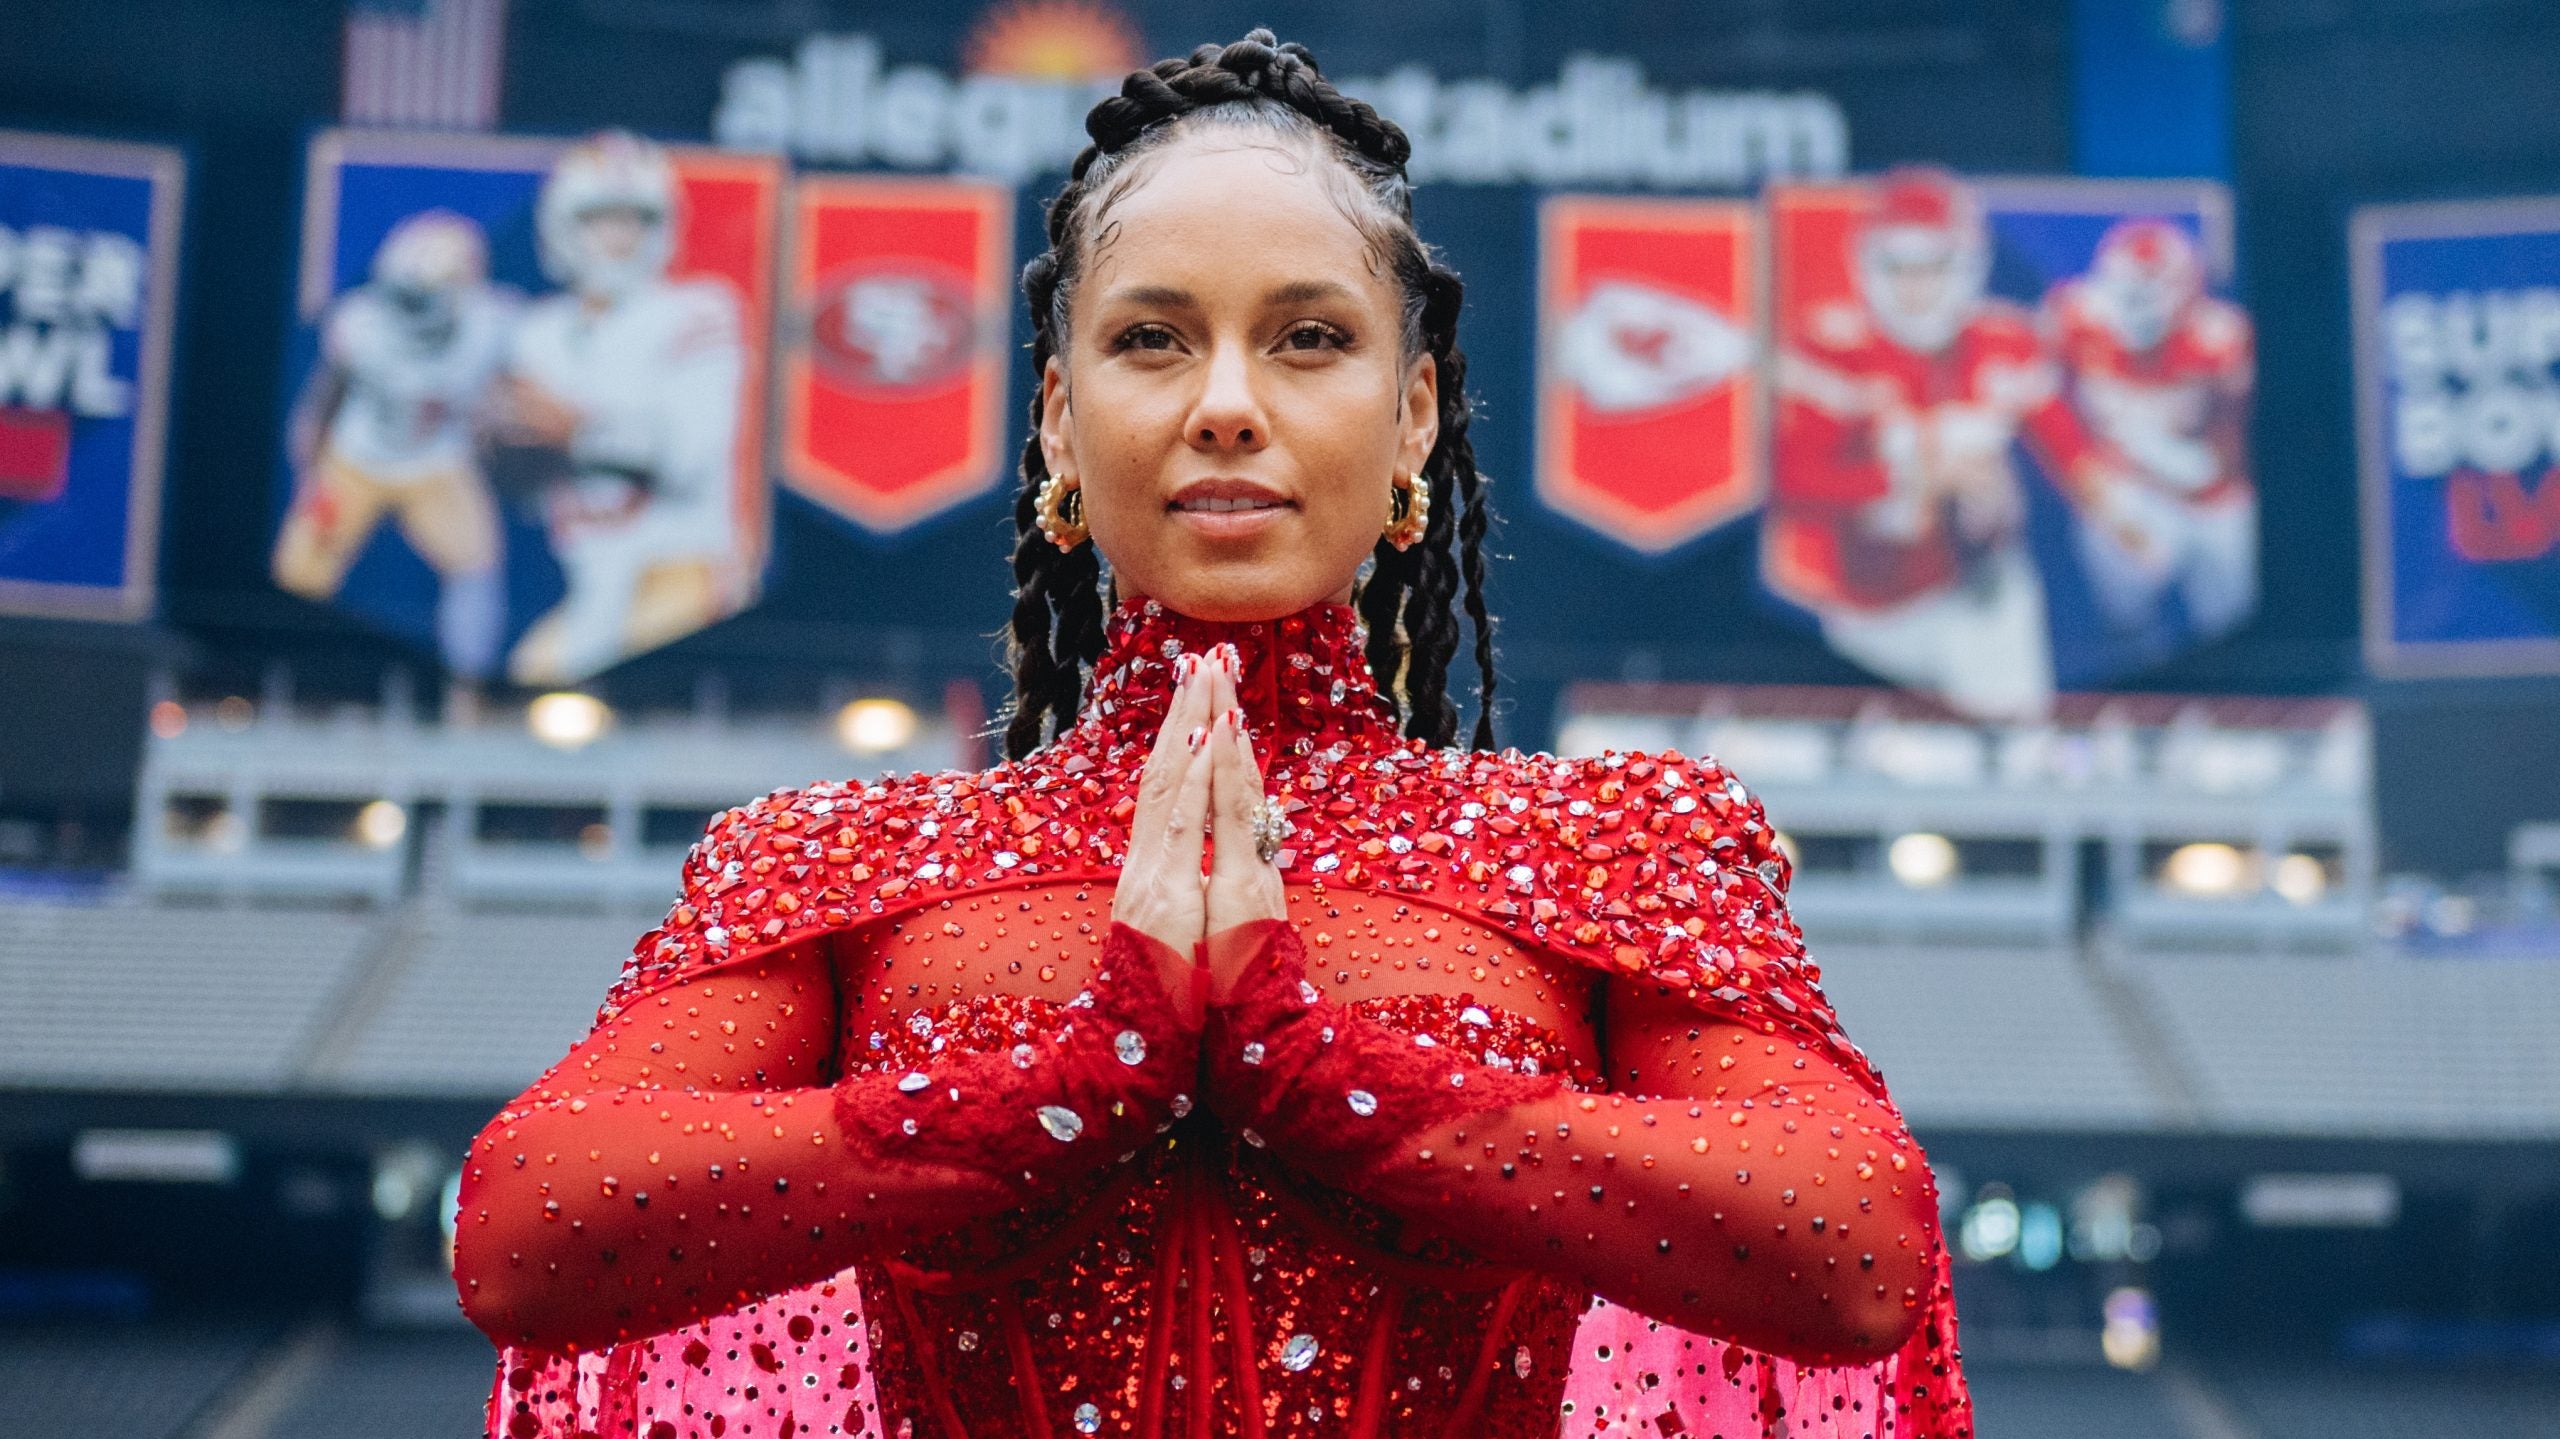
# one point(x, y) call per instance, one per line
point(527, 429)
point(1897, 511)
point(634, 379)
point(386, 431)
point(2163, 373)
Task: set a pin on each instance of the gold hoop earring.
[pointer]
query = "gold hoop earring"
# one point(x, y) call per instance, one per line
point(1409, 512)
point(1061, 508)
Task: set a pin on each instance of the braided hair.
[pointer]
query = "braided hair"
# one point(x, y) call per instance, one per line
point(1410, 599)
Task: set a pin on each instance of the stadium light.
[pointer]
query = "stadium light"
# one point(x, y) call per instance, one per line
point(1990, 1227)
point(2040, 1236)
point(1921, 860)
point(168, 719)
point(871, 726)
point(234, 713)
point(566, 719)
point(2208, 869)
point(380, 824)
point(2131, 1338)
point(2301, 878)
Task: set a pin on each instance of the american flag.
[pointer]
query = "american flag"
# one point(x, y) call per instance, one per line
point(432, 63)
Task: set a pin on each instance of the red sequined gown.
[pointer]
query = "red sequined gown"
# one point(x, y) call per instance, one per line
point(889, 1131)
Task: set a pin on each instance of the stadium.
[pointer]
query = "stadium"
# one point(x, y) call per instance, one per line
point(2211, 946)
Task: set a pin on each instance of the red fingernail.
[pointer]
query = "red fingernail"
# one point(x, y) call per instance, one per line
point(1197, 734)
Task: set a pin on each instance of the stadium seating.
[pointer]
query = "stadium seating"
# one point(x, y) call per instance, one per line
point(1993, 1038)
point(2019, 1401)
point(139, 996)
point(2363, 1402)
point(394, 1386)
point(147, 1381)
point(2381, 1045)
point(482, 1001)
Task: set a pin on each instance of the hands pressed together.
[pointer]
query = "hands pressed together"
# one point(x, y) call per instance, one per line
point(1197, 798)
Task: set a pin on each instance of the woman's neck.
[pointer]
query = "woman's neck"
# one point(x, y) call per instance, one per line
point(1306, 683)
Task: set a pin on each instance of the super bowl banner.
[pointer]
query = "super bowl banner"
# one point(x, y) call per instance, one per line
point(527, 423)
point(1648, 365)
point(2457, 318)
point(2010, 434)
point(892, 383)
point(88, 290)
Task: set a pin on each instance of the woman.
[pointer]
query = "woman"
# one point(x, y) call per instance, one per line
point(965, 1104)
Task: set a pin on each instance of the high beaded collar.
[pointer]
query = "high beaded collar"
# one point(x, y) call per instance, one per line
point(1306, 683)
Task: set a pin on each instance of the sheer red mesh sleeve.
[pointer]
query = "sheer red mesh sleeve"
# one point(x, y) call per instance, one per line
point(658, 1175)
point(1759, 1194)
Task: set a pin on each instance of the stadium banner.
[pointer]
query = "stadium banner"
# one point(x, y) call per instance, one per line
point(2010, 447)
point(1649, 420)
point(2457, 324)
point(527, 375)
point(896, 350)
point(88, 299)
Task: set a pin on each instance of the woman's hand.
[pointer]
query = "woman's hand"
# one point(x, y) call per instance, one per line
point(1160, 893)
point(1243, 886)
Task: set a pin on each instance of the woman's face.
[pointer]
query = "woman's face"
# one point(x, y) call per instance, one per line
point(1232, 396)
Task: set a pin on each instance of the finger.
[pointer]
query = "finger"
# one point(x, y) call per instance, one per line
point(1237, 792)
point(1185, 827)
point(1162, 773)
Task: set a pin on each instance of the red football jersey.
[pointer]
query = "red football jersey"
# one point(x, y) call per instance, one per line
point(1842, 384)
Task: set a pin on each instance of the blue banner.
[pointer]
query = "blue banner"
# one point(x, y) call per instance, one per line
point(2457, 314)
point(88, 292)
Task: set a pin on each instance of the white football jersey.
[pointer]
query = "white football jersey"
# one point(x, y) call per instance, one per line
point(656, 377)
point(409, 406)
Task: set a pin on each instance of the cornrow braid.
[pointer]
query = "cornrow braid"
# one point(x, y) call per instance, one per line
point(1410, 598)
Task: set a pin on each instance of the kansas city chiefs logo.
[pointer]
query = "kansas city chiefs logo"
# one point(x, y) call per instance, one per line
point(894, 329)
point(1632, 346)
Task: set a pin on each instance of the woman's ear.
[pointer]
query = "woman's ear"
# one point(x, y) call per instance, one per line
point(1057, 451)
point(1419, 420)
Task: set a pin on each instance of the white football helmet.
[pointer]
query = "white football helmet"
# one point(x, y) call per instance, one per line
point(425, 265)
point(1922, 258)
point(606, 220)
point(2146, 275)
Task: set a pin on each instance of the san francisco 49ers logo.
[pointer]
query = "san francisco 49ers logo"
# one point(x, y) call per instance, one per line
point(893, 387)
point(899, 329)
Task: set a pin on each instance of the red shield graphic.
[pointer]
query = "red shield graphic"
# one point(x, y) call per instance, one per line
point(1649, 425)
point(893, 385)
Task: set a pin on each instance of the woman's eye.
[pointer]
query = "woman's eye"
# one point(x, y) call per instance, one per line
point(1311, 335)
point(1144, 337)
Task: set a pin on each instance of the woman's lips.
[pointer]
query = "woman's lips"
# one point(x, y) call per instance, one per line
point(1225, 523)
point(1228, 509)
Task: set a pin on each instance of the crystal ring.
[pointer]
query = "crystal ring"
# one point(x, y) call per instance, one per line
point(1270, 827)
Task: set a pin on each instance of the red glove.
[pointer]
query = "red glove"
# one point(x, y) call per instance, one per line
point(1099, 1085)
point(1779, 1204)
point(1340, 1095)
point(603, 1213)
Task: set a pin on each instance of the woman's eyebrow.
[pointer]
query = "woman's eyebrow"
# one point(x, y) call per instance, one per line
point(1306, 292)
point(1161, 297)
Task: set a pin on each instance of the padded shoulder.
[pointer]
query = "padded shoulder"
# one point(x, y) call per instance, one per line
point(1646, 865)
point(800, 863)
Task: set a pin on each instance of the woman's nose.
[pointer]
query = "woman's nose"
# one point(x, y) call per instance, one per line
point(1228, 415)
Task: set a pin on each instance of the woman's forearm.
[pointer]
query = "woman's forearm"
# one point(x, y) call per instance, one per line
point(1786, 1214)
point(596, 1216)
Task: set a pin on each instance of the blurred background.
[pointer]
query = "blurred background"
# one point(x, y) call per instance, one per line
point(2089, 463)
